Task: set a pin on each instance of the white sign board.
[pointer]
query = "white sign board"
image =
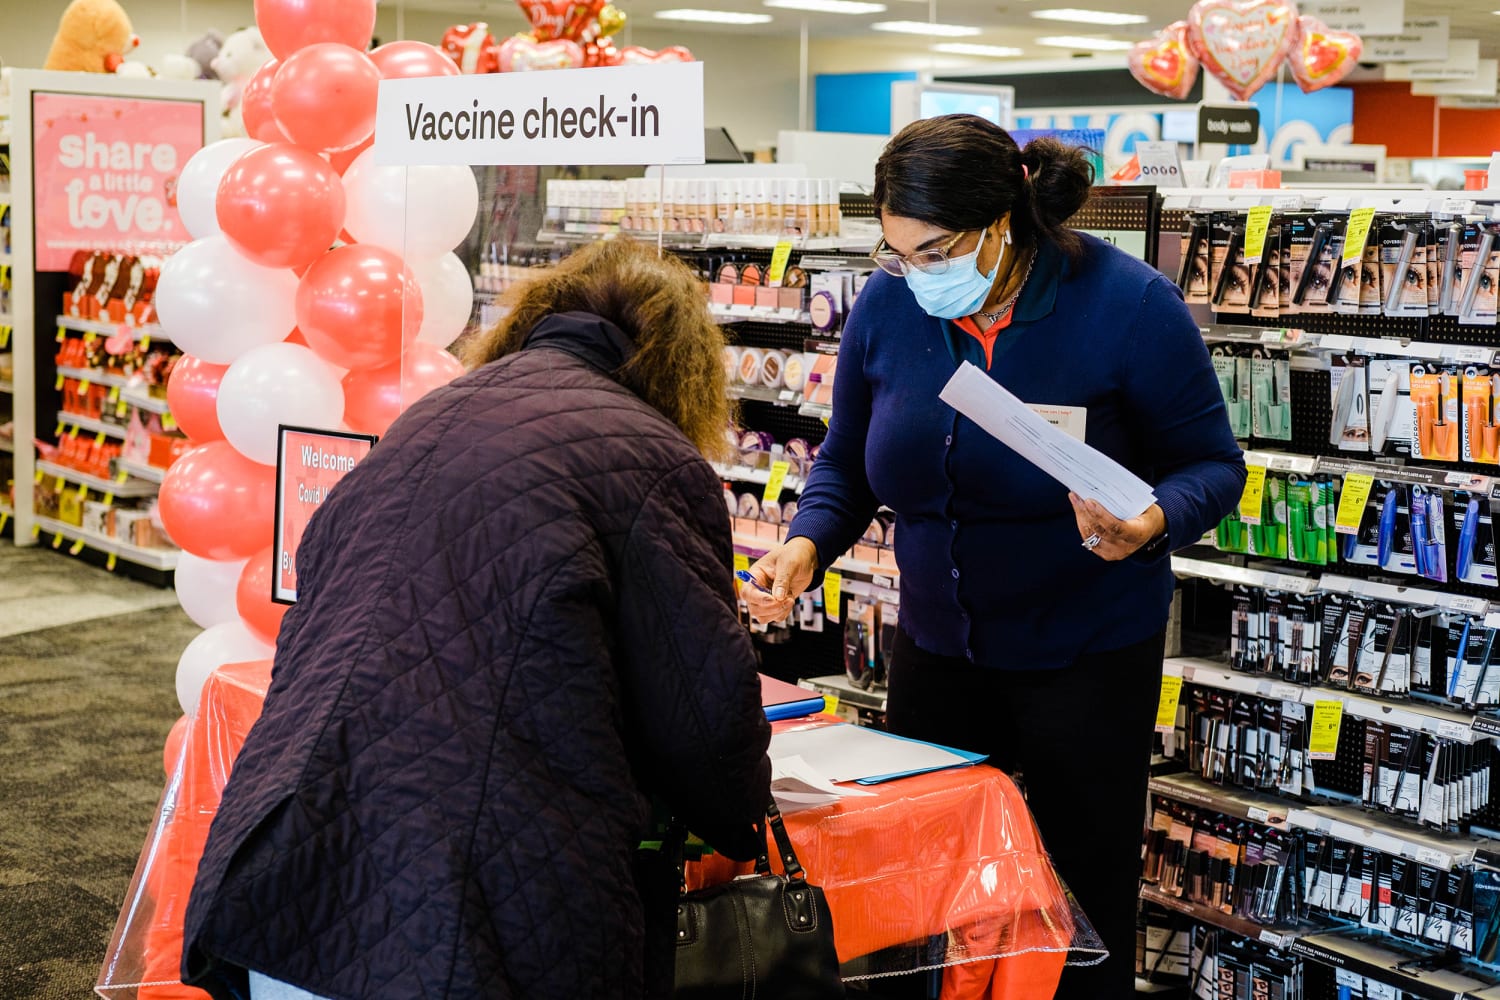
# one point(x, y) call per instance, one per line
point(1462, 103)
point(1364, 17)
point(1461, 62)
point(1421, 39)
point(623, 114)
point(1481, 84)
point(1160, 164)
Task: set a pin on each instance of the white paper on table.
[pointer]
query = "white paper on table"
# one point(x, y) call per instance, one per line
point(848, 753)
point(1086, 471)
point(795, 785)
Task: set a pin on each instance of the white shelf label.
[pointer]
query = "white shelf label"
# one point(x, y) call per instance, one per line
point(1427, 856)
point(1456, 206)
point(1257, 814)
point(1447, 729)
point(1474, 355)
point(1468, 605)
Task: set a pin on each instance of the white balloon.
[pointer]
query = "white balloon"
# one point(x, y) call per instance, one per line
point(447, 299)
point(216, 305)
point(198, 185)
point(206, 588)
point(419, 213)
point(272, 385)
point(231, 642)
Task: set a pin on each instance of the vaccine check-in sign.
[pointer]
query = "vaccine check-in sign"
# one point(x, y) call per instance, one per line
point(649, 114)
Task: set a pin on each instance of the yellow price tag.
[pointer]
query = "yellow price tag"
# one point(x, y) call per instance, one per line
point(109, 499)
point(1254, 495)
point(779, 470)
point(833, 592)
point(121, 476)
point(62, 333)
point(57, 541)
point(4, 337)
point(146, 342)
point(1257, 224)
point(1357, 232)
point(85, 385)
point(57, 431)
point(77, 548)
point(89, 338)
point(1352, 502)
point(121, 408)
point(168, 423)
point(741, 563)
point(59, 383)
point(114, 393)
point(83, 493)
point(109, 563)
point(831, 704)
point(39, 475)
point(4, 519)
point(99, 439)
point(61, 484)
point(36, 530)
point(1323, 738)
point(1166, 708)
point(779, 258)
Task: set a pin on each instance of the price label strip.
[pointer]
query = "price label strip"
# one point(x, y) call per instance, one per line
point(833, 592)
point(1166, 708)
point(1352, 501)
point(779, 470)
point(1323, 739)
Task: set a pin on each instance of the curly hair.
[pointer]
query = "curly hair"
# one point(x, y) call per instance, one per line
point(659, 303)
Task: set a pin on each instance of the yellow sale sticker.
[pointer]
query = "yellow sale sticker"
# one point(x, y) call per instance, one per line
point(1254, 495)
point(833, 592)
point(779, 258)
point(1357, 233)
point(1352, 501)
point(1323, 737)
point(779, 470)
point(1257, 224)
point(1166, 708)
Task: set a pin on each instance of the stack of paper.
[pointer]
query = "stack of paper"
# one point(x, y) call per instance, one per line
point(868, 756)
point(795, 785)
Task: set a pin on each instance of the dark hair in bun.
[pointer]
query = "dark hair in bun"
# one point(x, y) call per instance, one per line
point(962, 172)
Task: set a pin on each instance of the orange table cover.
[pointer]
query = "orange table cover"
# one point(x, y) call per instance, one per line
point(938, 870)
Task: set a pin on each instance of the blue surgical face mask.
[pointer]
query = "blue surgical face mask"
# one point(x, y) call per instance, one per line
point(958, 291)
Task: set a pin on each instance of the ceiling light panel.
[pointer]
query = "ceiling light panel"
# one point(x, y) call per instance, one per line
point(1080, 16)
point(1084, 42)
point(829, 6)
point(975, 49)
point(711, 16)
point(928, 28)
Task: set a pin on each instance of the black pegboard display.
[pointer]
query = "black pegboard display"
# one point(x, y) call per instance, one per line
point(781, 336)
point(781, 422)
point(1431, 329)
point(1312, 414)
point(1345, 773)
point(1319, 982)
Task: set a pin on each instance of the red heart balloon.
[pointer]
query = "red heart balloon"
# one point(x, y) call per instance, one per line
point(1242, 41)
point(1323, 56)
point(471, 47)
point(635, 55)
point(1163, 65)
point(519, 54)
point(549, 19)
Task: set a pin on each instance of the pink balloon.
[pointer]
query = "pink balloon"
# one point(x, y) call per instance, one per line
point(217, 504)
point(519, 54)
point(636, 55)
point(253, 597)
point(375, 397)
point(357, 305)
point(397, 60)
point(344, 159)
point(193, 396)
point(255, 104)
point(281, 205)
point(289, 25)
point(324, 96)
point(1163, 63)
point(1242, 42)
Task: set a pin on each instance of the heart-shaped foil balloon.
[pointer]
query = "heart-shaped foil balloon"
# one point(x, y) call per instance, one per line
point(471, 47)
point(1163, 65)
point(519, 54)
point(1322, 56)
point(635, 55)
point(1242, 41)
point(551, 19)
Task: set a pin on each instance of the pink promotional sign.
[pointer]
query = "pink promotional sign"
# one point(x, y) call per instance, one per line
point(106, 173)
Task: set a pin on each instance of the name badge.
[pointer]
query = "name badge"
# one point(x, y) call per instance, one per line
point(1071, 420)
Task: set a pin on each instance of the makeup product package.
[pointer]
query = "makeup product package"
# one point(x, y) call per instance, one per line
point(1271, 392)
point(1435, 424)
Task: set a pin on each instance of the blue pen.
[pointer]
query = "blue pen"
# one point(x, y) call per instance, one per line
point(745, 576)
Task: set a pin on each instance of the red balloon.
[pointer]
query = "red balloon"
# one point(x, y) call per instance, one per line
point(255, 104)
point(217, 504)
point(193, 396)
point(324, 96)
point(281, 205)
point(344, 158)
point(289, 25)
point(397, 60)
point(253, 597)
point(173, 746)
point(357, 305)
point(375, 397)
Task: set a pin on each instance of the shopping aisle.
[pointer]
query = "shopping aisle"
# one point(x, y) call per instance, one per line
point(86, 699)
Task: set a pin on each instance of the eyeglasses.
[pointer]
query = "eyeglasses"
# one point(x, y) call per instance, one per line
point(934, 261)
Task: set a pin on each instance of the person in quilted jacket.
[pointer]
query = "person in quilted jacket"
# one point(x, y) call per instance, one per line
point(516, 628)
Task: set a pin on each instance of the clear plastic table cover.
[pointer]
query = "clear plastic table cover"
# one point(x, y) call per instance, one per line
point(938, 871)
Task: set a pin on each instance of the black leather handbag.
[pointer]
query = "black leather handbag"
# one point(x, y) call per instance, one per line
point(759, 937)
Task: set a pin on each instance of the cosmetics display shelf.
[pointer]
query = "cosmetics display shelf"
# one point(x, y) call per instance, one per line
point(1436, 720)
point(820, 411)
point(159, 559)
point(1263, 809)
point(94, 376)
point(840, 687)
point(1303, 341)
point(104, 329)
point(140, 470)
point(1334, 583)
point(750, 314)
point(1417, 973)
point(79, 422)
point(746, 474)
point(128, 488)
point(142, 400)
point(1276, 937)
point(1228, 573)
point(762, 394)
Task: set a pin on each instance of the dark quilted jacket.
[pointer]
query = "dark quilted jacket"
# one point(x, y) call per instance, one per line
point(516, 625)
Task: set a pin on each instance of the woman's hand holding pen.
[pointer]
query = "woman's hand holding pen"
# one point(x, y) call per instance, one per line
point(781, 576)
point(1113, 539)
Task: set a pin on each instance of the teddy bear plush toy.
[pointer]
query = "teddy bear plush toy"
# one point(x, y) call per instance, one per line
point(93, 36)
point(242, 53)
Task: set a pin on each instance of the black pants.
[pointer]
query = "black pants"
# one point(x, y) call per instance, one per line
point(1079, 739)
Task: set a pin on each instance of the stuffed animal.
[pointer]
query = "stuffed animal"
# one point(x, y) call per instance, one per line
point(203, 52)
point(92, 37)
point(241, 55)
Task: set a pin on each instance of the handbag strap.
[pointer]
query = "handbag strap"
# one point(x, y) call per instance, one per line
point(789, 861)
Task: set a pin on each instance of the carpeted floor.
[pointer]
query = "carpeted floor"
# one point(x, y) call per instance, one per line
point(84, 710)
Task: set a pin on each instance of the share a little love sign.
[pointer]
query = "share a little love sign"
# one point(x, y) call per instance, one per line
point(106, 173)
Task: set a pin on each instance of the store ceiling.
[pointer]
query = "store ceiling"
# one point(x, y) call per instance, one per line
point(1004, 22)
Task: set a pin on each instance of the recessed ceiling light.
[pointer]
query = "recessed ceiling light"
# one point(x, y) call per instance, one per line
point(1084, 42)
point(711, 16)
point(975, 49)
point(829, 6)
point(1089, 16)
point(928, 28)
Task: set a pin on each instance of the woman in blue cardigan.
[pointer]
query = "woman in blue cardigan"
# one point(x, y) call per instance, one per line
point(1032, 622)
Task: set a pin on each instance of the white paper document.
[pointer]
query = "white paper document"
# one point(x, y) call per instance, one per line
point(1091, 474)
point(795, 785)
point(852, 753)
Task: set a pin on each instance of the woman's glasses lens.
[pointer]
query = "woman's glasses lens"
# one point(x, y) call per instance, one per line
point(929, 261)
